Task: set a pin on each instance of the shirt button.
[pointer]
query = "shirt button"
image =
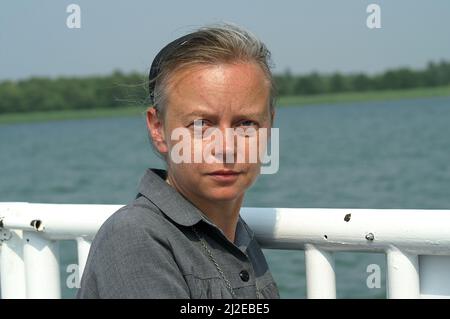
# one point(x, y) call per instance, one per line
point(244, 275)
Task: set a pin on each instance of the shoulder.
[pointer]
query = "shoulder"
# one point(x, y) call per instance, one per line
point(131, 256)
point(137, 222)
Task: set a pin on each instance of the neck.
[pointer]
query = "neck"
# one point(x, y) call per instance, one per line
point(224, 214)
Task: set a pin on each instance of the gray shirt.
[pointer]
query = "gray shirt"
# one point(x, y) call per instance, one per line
point(162, 246)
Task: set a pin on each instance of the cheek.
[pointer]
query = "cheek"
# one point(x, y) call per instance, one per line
point(254, 171)
point(187, 175)
point(255, 147)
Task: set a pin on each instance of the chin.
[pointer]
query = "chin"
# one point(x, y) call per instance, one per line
point(223, 194)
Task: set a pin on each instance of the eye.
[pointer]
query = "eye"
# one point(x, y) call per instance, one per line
point(249, 123)
point(201, 123)
point(247, 128)
point(199, 126)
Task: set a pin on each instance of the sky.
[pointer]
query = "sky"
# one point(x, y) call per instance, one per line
point(304, 36)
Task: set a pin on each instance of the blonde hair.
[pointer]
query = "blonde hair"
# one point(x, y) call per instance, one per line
point(224, 43)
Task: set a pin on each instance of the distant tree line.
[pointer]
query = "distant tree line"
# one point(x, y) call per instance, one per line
point(119, 89)
point(70, 93)
point(435, 74)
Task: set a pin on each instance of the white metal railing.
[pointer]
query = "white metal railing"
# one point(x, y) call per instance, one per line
point(416, 243)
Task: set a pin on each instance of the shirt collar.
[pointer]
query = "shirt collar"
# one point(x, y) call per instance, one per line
point(154, 187)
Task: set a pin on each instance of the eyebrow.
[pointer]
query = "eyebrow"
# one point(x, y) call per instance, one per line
point(207, 113)
point(199, 113)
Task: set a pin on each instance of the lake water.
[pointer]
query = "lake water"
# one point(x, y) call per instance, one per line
point(362, 155)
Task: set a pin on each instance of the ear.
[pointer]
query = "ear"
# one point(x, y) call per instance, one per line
point(156, 130)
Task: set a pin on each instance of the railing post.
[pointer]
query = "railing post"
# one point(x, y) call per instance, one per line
point(12, 265)
point(83, 247)
point(403, 275)
point(41, 266)
point(434, 276)
point(320, 274)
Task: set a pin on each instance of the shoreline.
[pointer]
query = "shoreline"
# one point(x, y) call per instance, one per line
point(283, 101)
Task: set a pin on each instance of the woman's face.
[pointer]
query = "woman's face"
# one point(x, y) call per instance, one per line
point(216, 97)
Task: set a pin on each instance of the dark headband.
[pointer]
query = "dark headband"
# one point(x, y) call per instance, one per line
point(165, 52)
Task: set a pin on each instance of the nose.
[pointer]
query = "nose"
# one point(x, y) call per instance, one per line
point(226, 153)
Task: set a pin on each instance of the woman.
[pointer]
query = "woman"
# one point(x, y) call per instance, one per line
point(183, 237)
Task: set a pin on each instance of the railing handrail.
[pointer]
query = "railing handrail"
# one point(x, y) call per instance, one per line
point(414, 230)
point(402, 234)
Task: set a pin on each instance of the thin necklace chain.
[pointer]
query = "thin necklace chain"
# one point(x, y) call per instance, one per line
point(210, 255)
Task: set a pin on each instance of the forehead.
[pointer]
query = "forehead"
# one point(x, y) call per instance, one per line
point(222, 88)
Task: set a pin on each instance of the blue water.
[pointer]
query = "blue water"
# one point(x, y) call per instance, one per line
point(359, 155)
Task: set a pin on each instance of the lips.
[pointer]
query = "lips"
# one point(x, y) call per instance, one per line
point(224, 172)
point(224, 176)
